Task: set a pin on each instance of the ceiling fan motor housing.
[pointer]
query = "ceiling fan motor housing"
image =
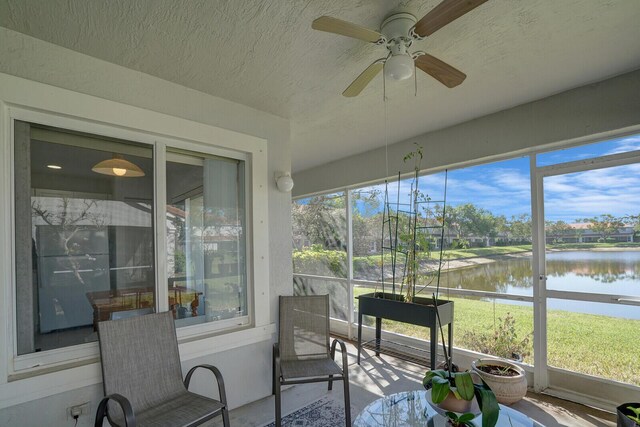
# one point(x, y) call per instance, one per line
point(396, 28)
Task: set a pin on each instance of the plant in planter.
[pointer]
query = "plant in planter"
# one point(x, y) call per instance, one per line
point(406, 236)
point(462, 420)
point(411, 229)
point(502, 342)
point(454, 391)
point(506, 379)
point(628, 415)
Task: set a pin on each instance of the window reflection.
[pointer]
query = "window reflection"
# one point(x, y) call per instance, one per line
point(87, 236)
point(205, 238)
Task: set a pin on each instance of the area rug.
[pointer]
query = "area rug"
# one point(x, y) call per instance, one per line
point(324, 412)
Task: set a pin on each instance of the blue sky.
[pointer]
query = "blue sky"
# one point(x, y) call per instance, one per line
point(504, 187)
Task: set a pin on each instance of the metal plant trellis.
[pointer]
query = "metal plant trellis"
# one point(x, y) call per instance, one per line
point(409, 229)
point(410, 226)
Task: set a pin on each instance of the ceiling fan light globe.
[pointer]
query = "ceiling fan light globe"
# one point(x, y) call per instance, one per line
point(399, 67)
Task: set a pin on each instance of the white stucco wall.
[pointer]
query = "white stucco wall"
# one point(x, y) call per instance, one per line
point(246, 367)
point(591, 112)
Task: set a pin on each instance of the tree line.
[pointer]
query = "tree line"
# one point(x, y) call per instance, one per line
point(321, 220)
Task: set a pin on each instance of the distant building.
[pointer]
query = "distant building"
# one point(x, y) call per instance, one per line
point(582, 233)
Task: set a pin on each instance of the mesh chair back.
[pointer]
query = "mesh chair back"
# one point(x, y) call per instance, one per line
point(140, 360)
point(304, 327)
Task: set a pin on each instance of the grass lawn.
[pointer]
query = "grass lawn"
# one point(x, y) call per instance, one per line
point(479, 252)
point(504, 250)
point(587, 343)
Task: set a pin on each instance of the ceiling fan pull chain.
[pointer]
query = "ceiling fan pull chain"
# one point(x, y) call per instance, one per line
point(384, 91)
point(415, 80)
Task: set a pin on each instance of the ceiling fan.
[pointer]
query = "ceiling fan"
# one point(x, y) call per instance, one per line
point(397, 33)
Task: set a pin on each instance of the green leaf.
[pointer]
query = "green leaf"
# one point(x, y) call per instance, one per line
point(452, 415)
point(464, 385)
point(426, 381)
point(488, 405)
point(466, 417)
point(440, 389)
point(440, 372)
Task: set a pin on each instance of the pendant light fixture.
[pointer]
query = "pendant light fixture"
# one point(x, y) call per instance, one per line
point(117, 166)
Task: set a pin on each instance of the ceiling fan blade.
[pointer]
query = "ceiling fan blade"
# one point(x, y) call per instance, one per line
point(441, 71)
point(444, 13)
point(363, 79)
point(338, 26)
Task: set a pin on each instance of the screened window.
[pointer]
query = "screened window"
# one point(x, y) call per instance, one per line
point(320, 250)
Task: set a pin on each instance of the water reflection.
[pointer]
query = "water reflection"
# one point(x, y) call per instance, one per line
point(597, 272)
point(604, 267)
point(513, 276)
point(616, 273)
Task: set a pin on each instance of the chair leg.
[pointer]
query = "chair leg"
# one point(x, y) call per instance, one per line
point(273, 374)
point(347, 401)
point(278, 422)
point(225, 417)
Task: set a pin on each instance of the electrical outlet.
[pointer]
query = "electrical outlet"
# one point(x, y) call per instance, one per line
point(78, 410)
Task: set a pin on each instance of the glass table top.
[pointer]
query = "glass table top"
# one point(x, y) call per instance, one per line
point(413, 409)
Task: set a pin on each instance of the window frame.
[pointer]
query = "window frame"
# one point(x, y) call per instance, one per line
point(141, 128)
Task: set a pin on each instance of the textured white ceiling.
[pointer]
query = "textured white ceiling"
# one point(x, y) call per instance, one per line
point(264, 54)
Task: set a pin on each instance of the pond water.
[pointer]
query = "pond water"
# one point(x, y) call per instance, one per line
point(615, 273)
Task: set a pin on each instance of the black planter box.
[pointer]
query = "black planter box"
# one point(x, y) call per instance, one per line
point(421, 312)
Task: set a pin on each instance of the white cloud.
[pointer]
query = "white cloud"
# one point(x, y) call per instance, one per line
point(623, 145)
point(504, 187)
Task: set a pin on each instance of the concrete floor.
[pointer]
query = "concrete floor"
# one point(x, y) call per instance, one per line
point(385, 375)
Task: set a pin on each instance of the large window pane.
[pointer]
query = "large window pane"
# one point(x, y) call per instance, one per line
point(336, 289)
point(366, 215)
point(600, 344)
point(320, 235)
point(486, 247)
point(206, 238)
point(591, 228)
point(320, 248)
point(84, 234)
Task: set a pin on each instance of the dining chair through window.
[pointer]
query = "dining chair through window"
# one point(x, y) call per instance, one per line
point(302, 353)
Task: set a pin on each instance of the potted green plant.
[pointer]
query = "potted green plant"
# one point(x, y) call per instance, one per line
point(507, 380)
point(454, 392)
point(628, 415)
point(502, 342)
point(462, 420)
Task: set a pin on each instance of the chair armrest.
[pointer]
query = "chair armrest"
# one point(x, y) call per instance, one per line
point(276, 352)
point(276, 360)
point(129, 417)
point(218, 375)
point(343, 350)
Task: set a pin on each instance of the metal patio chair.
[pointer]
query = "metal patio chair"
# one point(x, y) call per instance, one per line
point(142, 376)
point(302, 353)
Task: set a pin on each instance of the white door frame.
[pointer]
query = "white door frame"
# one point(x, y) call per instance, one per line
point(540, 292)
